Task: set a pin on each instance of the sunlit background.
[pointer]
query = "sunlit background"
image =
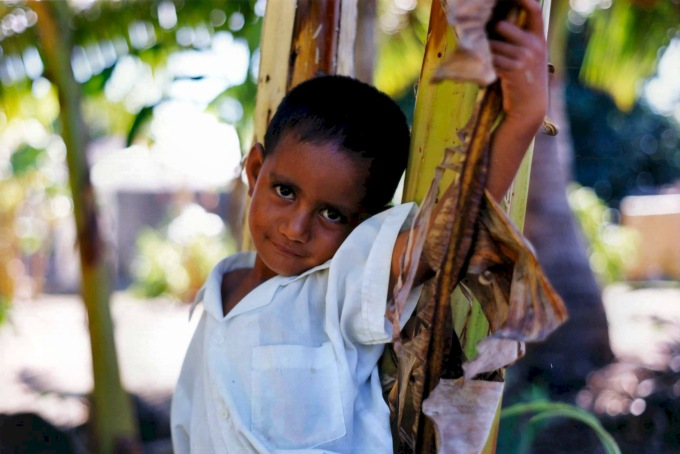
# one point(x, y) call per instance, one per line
point(168, 98)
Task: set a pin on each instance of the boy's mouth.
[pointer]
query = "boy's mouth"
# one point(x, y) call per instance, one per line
point(285, 250)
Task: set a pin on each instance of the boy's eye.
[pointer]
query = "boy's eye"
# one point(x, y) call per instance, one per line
point(284, 191)
point(333, 215)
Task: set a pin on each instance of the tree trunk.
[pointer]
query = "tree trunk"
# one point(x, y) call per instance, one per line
point(441, 112)
point(365, 46)
point(581, 345)
point(111, 415)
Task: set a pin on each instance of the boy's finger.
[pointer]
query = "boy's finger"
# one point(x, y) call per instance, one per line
point(534, 22)
point(532, 41)
point(512, 33)
point(503, 48)
point(503, 63)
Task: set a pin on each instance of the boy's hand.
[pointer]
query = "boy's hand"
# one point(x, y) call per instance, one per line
point(521, 64)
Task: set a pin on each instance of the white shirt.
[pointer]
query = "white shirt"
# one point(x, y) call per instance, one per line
point(293, 366)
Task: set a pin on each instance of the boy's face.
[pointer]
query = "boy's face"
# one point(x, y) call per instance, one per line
point(306, 199)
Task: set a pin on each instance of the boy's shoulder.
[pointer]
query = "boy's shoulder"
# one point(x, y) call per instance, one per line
point(231, 265)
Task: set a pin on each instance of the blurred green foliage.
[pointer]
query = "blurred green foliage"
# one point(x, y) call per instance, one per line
point(624, 38)
point(34, 198)
point(618, 152)
point(176, 259)
point(611, 247)
point(402, 28)
point(144, 35)
point(4, 308)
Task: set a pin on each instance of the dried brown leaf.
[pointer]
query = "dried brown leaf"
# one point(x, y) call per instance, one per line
point(493, 354)
point(508, 281)
point(437, 241)
point(463, 412)
point(471, 60)
point(410, 258)
point(405, 398)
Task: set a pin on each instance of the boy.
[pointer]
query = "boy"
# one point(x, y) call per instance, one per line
point(284, 356)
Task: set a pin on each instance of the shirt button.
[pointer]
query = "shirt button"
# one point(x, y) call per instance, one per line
point(225, 413)
point(219, 339)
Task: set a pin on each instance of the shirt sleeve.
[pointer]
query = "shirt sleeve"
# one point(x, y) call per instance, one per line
point(359, 276)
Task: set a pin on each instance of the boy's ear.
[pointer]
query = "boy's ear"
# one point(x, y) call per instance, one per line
point(253, 165)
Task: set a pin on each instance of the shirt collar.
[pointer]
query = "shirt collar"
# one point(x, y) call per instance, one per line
point(213, 284)
point(211, 290)
point(288, 279)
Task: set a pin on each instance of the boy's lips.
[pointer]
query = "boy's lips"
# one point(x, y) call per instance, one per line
point(286, 250)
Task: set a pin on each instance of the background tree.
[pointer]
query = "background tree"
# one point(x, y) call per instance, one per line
point(616, 63)
point(79, 49)
point(112, 416)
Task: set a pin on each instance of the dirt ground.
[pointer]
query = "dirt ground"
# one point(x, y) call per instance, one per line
point(45, 362)
point(45, 356)
point(637, 397)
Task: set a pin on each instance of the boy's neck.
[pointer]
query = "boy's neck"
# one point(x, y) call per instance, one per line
point(236, 284)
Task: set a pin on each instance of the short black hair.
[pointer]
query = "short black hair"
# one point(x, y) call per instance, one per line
point(357, 117)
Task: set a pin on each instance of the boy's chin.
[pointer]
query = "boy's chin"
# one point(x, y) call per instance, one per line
point(291, 272)
point(286, 269)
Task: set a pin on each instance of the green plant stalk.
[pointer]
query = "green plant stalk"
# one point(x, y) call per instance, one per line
point(114, 424)
point(547, 410)
point(442, 110)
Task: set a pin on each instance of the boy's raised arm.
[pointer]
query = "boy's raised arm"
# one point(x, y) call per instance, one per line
point(521, 64)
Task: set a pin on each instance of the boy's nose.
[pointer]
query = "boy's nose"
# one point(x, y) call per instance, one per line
point(297, 227)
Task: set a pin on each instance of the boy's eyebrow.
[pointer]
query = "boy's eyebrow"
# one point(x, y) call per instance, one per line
point(344, 209)
point(281, 179)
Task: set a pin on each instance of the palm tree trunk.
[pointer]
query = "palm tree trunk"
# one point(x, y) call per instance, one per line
point(581, 345)
point(112, 416)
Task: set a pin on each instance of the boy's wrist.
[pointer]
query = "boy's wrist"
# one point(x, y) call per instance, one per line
point(524, 125)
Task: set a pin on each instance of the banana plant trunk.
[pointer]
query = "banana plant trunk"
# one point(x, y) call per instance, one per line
point(442, 111)
point(111, 414)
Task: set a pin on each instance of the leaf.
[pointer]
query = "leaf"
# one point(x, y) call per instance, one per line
point(493, 354)
point(546, 410)
point(25, 159)
point(433, 246)
point(96, 84)
point(410, 258)
point(471, 61)
point(507, 279)
point(406, 396)
point(143, 116)
point(463, 412)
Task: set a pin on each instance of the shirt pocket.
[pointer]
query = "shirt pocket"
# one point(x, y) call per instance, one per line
point(296, 399)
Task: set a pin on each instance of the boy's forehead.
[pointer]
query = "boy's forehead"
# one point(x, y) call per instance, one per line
point(328, 166)
point(338, 153)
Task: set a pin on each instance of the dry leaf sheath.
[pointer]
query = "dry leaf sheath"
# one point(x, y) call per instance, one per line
point(471, 60)
point(470, 237)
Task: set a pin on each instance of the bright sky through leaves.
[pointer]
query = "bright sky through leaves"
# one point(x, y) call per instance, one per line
point(663, 91)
